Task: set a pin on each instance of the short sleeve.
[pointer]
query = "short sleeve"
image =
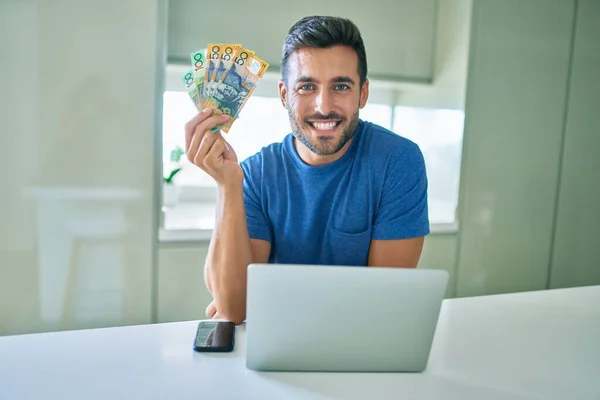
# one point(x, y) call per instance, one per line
point(403, 210)
point(256, 218)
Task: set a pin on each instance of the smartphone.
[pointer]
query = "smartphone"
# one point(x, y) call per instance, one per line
point(214, 336)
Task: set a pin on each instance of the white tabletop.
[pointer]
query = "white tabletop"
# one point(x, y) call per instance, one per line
point(537, 345)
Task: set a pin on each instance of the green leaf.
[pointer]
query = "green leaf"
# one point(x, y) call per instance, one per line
point(169, 179)
point(176, 154)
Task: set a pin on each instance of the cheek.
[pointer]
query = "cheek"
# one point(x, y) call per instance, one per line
point(351, 105)
point(299, 105)
point(292, 102)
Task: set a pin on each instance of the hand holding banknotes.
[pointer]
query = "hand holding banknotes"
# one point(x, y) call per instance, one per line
point(206, 148)
point(222, 79)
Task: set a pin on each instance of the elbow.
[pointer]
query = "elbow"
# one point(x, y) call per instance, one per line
point(236, 316)
point(238, 321)
point(231, 308)
point(230, 301)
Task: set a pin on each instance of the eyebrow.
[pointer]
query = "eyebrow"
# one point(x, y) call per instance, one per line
point(337, 79)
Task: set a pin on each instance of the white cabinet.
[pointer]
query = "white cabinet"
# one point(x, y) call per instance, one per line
point(576, 251)
point(515, 107)
point(398, 34)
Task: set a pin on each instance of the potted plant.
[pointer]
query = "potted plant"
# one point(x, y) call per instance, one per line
point(170, 190)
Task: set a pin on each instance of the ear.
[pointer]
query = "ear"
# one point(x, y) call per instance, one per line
point(364, 94)
point(282, 93)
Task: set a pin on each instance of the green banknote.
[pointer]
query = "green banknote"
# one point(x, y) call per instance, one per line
point(198, 59)
point(188, 80)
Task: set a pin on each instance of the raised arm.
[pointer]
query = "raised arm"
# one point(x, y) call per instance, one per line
point(231, 250)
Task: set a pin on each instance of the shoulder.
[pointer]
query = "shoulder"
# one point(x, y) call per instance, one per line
point(390, 148)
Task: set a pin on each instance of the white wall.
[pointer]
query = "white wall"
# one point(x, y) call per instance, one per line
point(78, 110)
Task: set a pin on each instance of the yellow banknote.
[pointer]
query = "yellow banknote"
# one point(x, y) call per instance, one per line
point(215, 64)
point(244, 76)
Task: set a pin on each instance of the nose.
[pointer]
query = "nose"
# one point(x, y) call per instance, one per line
point(324, 102)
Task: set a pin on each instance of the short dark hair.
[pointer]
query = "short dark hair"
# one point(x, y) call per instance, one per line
point(324, 32)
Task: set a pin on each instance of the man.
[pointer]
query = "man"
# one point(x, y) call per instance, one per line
point(336, 191)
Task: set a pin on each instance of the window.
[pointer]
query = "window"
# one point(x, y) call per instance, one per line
point(244, 137)
point(263, 121)
point(380, 114)
point(439, 135)
point(264, 112)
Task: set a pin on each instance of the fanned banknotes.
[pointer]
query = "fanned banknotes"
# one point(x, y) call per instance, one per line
point(223, 77)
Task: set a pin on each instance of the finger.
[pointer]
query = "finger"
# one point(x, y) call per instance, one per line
point(217, 316)
point(211, 310)
point(220, 136)
point(205, 144)
point(222, 118)
point(212, 159)
point(199, 133)
point(190, 126)
point(194, 145)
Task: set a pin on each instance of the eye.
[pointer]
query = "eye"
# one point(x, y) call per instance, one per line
point(306, 87)
point(341, 87)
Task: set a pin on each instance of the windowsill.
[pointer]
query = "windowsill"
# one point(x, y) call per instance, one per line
point(194, 222)
point(184, 235)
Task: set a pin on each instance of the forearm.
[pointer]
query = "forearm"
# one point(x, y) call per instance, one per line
point(229, 255)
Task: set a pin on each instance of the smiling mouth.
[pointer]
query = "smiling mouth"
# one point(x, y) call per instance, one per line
point(324, 125)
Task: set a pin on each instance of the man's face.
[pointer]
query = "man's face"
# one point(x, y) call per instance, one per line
point(323, 95)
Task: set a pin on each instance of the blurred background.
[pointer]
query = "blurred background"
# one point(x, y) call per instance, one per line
point(503, 98)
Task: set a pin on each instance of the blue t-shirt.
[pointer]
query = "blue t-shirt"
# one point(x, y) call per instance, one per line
point(328, 215)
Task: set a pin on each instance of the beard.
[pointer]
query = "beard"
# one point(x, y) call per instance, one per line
point(325, 145)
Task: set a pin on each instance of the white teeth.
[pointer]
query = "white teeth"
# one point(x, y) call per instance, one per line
point(321, 126)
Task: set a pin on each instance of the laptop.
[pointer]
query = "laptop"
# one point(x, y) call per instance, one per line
point(341, 319)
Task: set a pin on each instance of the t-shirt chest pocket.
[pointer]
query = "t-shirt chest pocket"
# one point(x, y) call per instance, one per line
point(353, 214)
point(351, 227)
point(350, 248)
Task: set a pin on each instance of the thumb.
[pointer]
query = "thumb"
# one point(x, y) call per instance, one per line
point(211, 310)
